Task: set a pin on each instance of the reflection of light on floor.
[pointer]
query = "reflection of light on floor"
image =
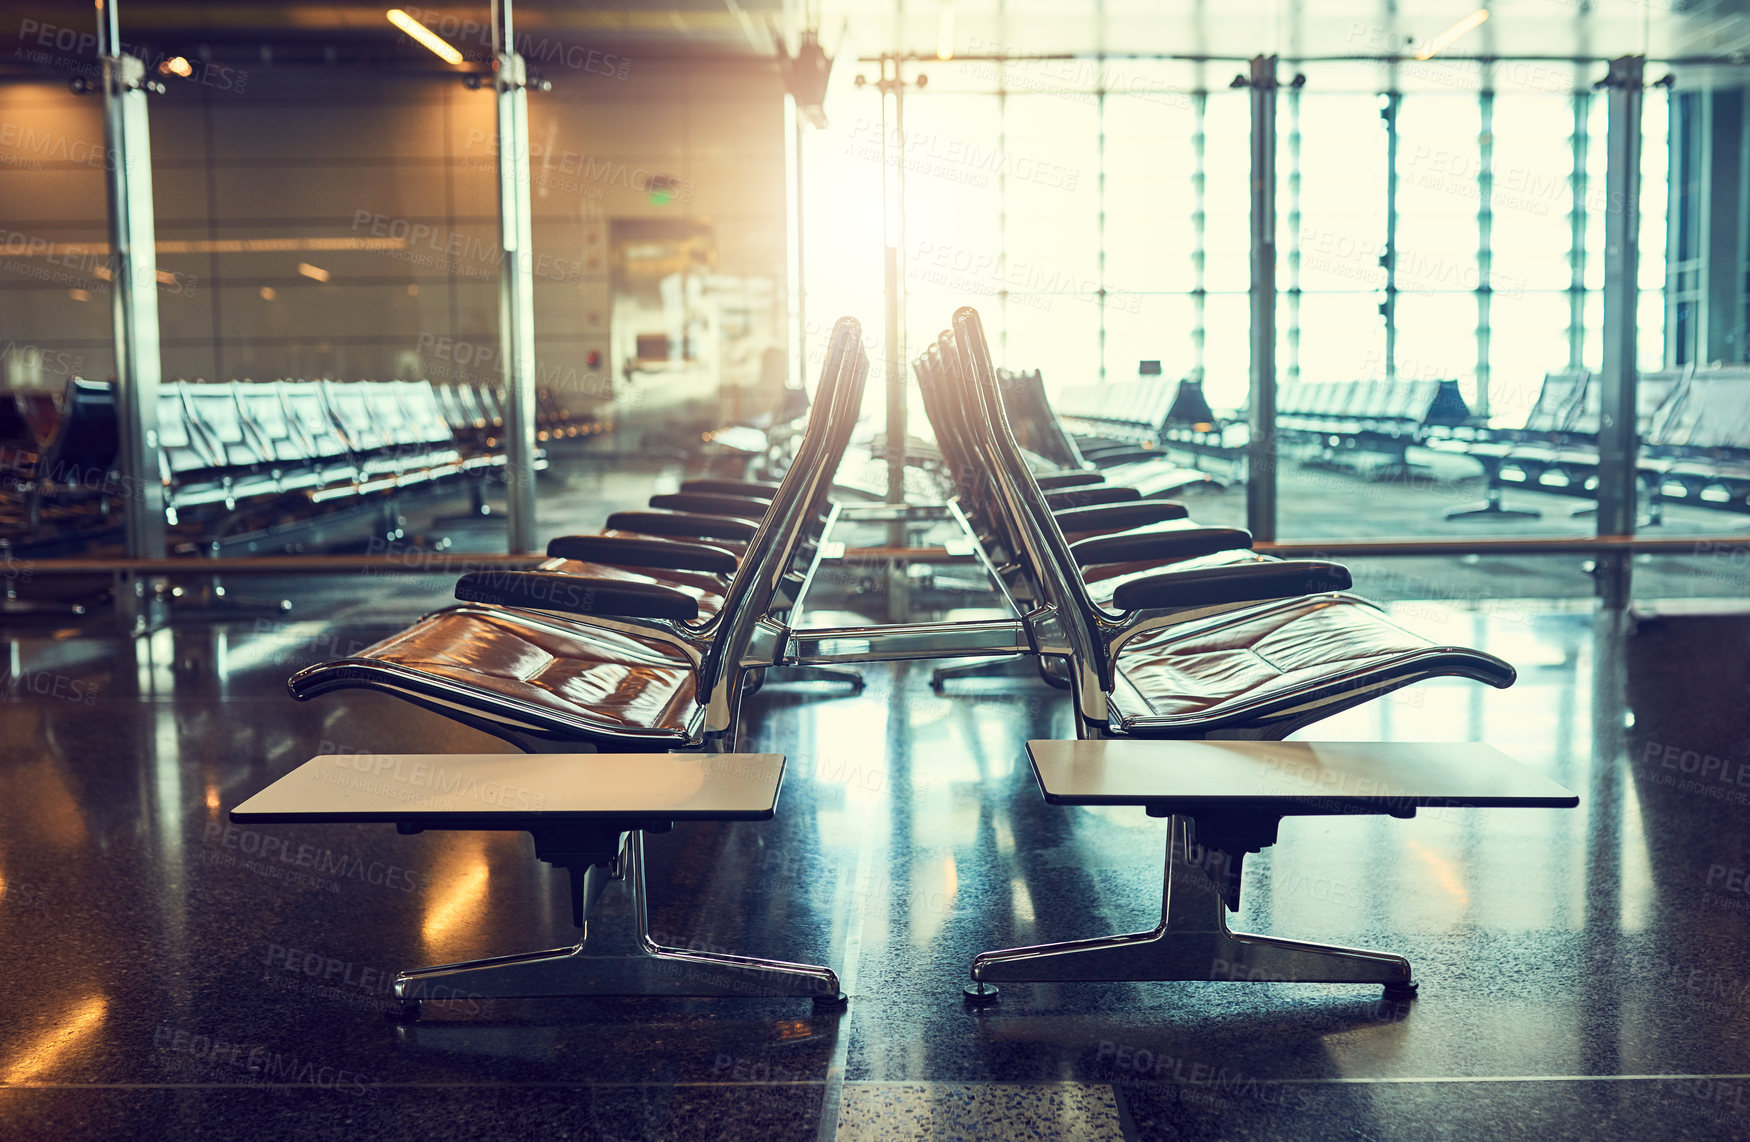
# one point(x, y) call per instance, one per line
point(64, 1038)
point(930, 908)
point(212, 798)
point(1023, 904)
point(55, 812)
point(1444, 874)
point(1637, 868)
point(789, 1029)
point(457, 901)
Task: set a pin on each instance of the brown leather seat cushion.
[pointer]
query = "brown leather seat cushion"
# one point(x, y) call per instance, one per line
point(732, 546)
point(1104, 578)
point(595, 674)
point(1170, 673)
point(706, 588)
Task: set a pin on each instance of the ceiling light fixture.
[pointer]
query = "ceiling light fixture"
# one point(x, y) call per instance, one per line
point(425, 36)
point(1444, 40)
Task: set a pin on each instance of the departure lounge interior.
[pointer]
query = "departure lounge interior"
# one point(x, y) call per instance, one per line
point(831, 571)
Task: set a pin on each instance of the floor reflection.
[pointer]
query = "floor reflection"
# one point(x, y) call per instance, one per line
point(1607, 940)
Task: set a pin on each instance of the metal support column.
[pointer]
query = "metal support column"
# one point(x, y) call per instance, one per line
point(1482, 405)
point(516, 280)
point(1617, 441)
point(1388, 261)
point(1261, 451)
point(892, 85)
point(798, 263)
point(134, 310)
point(1577, 230)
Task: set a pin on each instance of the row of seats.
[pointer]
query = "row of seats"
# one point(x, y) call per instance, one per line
point(648, 636)
point(246, 456)
point(1400, 409)
point(1693, 427)
point(1249, 646)
point(640, 637)
point(1142, 467)
point(1331, 419)
point(1136, 412)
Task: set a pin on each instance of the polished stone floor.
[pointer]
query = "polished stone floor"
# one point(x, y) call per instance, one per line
point(1585, 973)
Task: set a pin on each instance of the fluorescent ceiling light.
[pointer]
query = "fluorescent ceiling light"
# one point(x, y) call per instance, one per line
point(1441, 42)
point(316, 272)
point(424, 35)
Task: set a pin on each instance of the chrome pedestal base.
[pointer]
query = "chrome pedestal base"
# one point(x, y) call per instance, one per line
point(614, 962)
point(1192, 942)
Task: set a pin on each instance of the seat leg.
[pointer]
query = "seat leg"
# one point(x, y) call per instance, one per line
point(1004, 667)
point(1492, 506)
point(1192, 942)
point(614, 961)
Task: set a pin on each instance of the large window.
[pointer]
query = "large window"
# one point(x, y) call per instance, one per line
point(1098, 220)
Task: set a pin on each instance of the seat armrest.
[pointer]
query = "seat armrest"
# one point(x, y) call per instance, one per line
point(1117, 517)
point(1184, 543)
point(752, 489)
point(1090, 497)
point(690, 525)
point(1116, 456)
point(1057, 481)
point(669, 554)
point(706, 503)
point(547, 591)
point(1245, 583)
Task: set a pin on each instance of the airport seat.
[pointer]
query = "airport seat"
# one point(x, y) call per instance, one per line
point(549, 660)
point(1265, 647)
point(75, 481)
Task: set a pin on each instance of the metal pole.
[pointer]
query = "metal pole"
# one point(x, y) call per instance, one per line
point(1577, 233)
point(134, 309)
point(894, 140)
point(1617, 482)
point(893, 202)
point(799, 286)
point(1485, 245)
point(1261, 450)
point(1388, 261)
point(516, 280)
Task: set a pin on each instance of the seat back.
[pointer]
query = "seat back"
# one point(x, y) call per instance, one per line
point(215, 413)
point(184, 452)
point(87, 438)
point(796, 506)
point(458, 419)
point(1056, 444)
point(1656, 394)
point(1448, 409)
point(1720, 416)
point(422, 412)
point(15, 431)
point(491, 405)
point(1039, 544)
point(264, 408)
point(1559, 403)
point(349, 403)
point(42, 411)
point(307, 404)
point(1189, 405)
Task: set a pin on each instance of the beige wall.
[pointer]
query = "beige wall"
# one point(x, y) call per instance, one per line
point(317, 157)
